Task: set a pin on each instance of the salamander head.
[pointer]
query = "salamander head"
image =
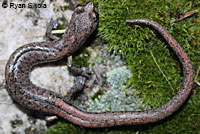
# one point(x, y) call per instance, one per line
point(84, 18)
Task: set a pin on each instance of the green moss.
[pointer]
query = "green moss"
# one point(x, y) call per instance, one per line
point(97, 94)
point(65, 128)
point(61, 27)
point(81, 59)
point(65, 7)
point(140, 44)
point(81, 2)
point(137, 42)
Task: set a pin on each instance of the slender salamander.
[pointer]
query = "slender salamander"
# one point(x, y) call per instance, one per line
point(83, 23)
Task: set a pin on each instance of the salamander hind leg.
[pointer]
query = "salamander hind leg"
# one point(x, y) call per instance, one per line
point(82, 75)
point(78, 87)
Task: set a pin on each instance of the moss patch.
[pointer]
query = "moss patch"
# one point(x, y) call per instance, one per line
point(140, 45)
point(65, 128)
point(143, 47)
point(81, 59)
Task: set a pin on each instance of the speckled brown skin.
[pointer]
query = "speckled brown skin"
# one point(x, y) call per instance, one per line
point(82, 25)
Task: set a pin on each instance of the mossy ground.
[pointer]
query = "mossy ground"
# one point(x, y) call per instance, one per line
point(143, 47)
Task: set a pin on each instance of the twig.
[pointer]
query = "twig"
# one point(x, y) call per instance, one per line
point(185, 15)
point(188, 14)
point(58, 31)
point(161, 70)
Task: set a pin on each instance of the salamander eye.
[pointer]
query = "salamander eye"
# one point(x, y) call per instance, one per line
point(93, 16)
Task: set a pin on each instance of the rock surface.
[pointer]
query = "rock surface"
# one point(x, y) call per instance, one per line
point(18, 27)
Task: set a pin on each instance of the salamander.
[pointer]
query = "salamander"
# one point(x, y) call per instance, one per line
point(84, 21)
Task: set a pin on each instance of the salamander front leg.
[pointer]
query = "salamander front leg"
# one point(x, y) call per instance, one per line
point(53, 24)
